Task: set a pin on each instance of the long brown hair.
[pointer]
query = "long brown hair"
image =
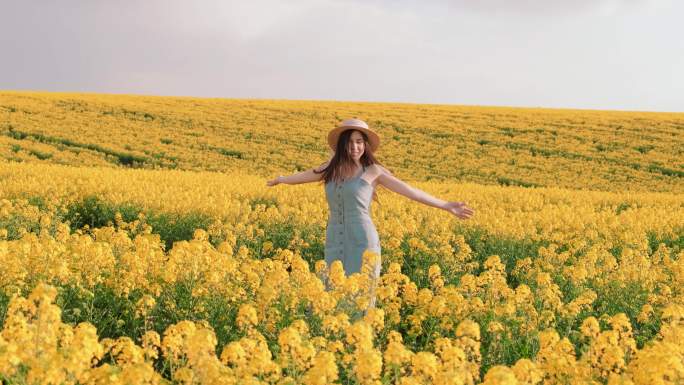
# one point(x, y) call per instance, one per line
point(342, 165)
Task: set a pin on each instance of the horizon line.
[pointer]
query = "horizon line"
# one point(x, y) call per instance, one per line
point(493, 106)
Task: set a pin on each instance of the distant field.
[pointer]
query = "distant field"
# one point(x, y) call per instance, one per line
point(578, 149)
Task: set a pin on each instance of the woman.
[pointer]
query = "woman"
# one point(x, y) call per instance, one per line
point(350, 178)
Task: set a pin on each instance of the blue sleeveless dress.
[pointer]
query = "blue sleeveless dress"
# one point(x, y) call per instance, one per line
point(350, 230)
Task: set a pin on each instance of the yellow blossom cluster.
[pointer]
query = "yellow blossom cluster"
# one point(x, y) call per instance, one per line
point(36, 347)
point(460, 292)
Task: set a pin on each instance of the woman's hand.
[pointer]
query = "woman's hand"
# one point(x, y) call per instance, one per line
point(274, 181)
point(459, 209)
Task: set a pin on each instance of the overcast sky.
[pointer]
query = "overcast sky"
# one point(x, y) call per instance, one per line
point(598, 54)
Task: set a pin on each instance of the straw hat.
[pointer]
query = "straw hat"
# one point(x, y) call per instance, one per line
point(357, 124)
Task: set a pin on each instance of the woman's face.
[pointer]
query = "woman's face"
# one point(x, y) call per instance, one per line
point(356, 145)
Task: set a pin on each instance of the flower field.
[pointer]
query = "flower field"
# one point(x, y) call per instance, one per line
point(139, 244)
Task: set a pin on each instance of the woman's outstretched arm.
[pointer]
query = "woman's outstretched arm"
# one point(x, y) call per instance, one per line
point(301, 177)
point(393, 183)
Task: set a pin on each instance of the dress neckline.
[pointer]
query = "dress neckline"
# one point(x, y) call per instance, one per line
point(363, 169)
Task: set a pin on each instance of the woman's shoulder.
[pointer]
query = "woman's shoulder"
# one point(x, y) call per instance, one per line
point(377, 169)
point(323, 165)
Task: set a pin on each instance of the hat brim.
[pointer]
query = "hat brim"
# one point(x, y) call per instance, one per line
point(334, 135)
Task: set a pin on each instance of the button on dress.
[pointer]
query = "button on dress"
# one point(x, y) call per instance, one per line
point(350, 230)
